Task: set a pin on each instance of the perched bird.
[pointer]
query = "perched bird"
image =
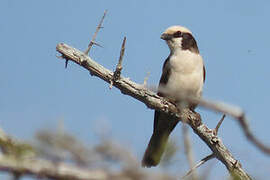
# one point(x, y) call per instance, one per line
point(183, 75)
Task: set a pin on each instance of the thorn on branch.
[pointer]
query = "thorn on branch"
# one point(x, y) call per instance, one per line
point(66, 63)
point(92, 42)
point(118, 69)
point(95, 43)
point(63, 57)
point(207, 158)
point(215, 131)
point(236, 164)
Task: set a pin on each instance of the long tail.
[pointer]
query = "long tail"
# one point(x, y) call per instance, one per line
point(163, 126)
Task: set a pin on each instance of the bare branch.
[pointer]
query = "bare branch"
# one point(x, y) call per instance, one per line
point(23, 165)
point(240, 116)
point(92, 42)
point(211, 156)
point(43, 168)
point(215, 131)
point(108, 150)
point(154, 101)
point(251, 137)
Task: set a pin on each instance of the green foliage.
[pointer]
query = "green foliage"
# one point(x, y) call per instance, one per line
point(15, 149)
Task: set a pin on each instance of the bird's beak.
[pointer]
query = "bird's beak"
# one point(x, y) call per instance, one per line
point(166, 37)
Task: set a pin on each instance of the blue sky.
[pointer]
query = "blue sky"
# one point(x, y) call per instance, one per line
point(37, 92)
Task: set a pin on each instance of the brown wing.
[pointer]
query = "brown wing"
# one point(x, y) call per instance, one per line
point(166, 72)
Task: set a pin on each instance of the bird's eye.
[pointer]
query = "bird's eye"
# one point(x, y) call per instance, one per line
point(177, 34)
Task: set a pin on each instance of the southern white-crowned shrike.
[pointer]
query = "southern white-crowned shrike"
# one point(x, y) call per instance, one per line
point(183, 75)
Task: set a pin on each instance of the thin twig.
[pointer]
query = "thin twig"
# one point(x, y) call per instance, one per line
point(243, 123)
point(188, 150)
point(240, 116)
point(92, 42)
point(211, 156)
point(218, 125)
point(118, 69)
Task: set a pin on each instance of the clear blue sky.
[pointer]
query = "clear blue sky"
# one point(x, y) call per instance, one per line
point(37, 92)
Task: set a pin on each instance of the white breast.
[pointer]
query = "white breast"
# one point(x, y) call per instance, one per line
point(186, 76)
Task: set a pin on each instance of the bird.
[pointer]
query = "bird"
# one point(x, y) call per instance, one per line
point(183, 74)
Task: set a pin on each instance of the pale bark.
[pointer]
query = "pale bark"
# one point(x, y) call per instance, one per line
point(153, 101)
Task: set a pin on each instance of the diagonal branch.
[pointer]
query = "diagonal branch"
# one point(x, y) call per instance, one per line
point(153, 101)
